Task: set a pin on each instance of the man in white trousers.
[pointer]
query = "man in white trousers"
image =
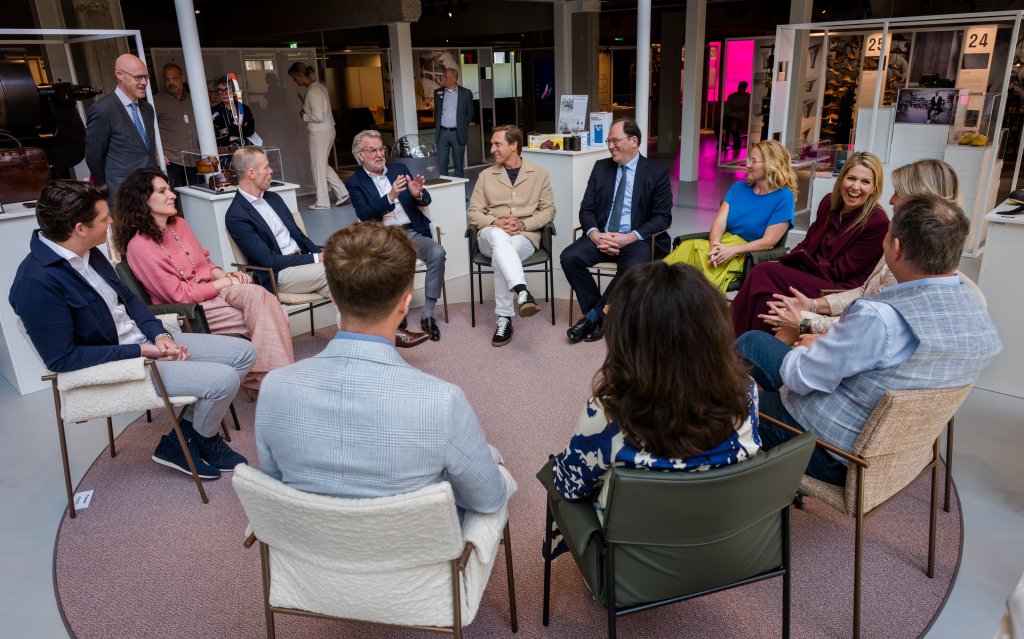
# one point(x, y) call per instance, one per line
point(316, 112)
point(511, 203)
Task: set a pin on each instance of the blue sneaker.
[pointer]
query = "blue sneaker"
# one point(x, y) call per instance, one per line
point(217, 453)
point(168, 453)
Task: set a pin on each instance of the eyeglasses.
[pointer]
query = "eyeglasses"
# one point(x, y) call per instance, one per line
point(222, 90)
point(749, 161)
point(138, 78)
point(377, 150)
point(615, 141)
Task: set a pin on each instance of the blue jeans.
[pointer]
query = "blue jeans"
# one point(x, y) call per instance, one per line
point(764, 353)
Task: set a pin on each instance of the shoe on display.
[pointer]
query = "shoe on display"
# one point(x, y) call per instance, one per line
point(217, 453)
point(502, 332)
point(168, 453)
point(526, 304)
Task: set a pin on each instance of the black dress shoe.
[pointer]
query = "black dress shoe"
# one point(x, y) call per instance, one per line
point(578, 331)
point(404, 325)
point(429, 327)
point(408, 339)
point(595, 333)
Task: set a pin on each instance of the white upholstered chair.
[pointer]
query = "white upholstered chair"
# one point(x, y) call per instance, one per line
point(402, 560)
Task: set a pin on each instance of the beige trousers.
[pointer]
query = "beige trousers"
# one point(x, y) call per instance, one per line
point(320, 143)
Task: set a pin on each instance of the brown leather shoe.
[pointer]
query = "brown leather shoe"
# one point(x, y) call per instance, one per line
point(408, 339)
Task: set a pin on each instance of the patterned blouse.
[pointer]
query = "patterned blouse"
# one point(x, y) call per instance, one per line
point(598, 444)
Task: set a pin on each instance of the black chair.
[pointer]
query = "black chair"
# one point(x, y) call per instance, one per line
point(668, 537)
point(193, 317)
point(753, 258)
point(541, 258)
point(605, 269)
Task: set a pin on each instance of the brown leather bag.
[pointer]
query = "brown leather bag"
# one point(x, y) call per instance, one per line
point(24, 171)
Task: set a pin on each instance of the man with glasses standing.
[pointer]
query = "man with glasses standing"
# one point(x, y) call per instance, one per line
point(453, 110)
point(120, 133)
point(628, 200)
point(388, 193)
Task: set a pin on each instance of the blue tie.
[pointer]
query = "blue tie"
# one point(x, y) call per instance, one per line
point(138, 124)
point(615, 221)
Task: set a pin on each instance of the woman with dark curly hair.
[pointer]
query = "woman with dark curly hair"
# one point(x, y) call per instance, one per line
point(174, 268)
point(672, 393)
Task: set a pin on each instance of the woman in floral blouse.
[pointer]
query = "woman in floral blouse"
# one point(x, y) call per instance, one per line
point(672, 394)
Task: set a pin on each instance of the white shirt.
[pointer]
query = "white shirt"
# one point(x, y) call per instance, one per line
point(317, 109)
point(127, 103)
point(398, 216)
point(284, 239)
point(127, 330)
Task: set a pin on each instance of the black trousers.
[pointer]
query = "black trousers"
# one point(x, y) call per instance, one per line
point(583, 253)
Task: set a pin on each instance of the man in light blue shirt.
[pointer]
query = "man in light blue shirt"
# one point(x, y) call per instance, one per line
point(927, 331)
point(357, 420)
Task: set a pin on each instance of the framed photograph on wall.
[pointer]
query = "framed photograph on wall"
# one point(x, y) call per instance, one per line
point(927, 106)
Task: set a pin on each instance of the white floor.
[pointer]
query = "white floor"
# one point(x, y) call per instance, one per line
point(987, 471)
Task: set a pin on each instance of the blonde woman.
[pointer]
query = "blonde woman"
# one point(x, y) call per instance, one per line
point(753, 216)
point(841, 248)
point(786, 314)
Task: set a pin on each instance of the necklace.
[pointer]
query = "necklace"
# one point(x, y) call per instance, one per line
point(181, 273)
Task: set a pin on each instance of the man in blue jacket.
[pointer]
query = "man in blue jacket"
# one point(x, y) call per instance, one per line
point(78, 314)
point(387, 193)
point(264, 229)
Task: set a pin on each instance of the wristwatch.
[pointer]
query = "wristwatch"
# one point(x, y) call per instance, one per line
point(167, 335)
point(805, 326)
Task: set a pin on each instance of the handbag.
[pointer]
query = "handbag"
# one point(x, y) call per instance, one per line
point(24, 171)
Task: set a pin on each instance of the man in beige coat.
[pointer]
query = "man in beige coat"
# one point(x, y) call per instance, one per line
point(512, 201)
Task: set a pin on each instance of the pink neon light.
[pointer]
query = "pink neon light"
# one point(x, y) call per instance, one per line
point(739, 64)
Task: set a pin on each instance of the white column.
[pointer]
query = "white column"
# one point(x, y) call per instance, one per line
point(799, 13)
point(693, 88)
point(643, 66)
point(403, 79)
point(194, 69)
point(563, 49)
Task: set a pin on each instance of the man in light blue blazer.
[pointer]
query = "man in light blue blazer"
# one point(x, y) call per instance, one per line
point(357, 420)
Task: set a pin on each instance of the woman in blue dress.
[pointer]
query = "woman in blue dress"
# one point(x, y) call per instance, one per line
point(672, 394)
point(753, 216)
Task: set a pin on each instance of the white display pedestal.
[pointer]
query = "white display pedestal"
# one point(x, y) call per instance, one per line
point(1000, 281)
point(448, 210)
point(205, 210)
point(19, 363)
point(569, 172)
point(977, 188)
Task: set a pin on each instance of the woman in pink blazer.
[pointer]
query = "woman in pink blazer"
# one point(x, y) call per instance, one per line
point(174, 268)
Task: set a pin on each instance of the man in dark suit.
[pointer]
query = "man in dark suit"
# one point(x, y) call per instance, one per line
point(453, 109)
point(120, 134)
point(78, 314)
point(628, 200)
point(261, 224)
point(387, 193)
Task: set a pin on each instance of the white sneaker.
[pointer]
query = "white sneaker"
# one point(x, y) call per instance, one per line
point(317, 207)
point(503, 332)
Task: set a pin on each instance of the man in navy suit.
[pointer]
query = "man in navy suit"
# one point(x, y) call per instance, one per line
point(628, 200)
point(120, 134)
point(261, 224)
point(453, 109)
point(388, 193)
point(78, 314)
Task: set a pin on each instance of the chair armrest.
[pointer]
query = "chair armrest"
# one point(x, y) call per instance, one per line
point(767, 255)
point(577, 520)
point(853, 459)
point(195, 316)
point(545, 237)
point(679, 239)
point(262, 269)
point(576, 233)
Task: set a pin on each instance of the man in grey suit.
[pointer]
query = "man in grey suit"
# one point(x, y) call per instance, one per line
point(357, 420)
point(453, 109)
point(120, 134)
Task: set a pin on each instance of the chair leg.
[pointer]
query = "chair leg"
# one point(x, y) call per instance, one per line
point(511, 580)
point(110, 437)
point(933, 509)
point(571, 293)
point(155, 373)
point(234, 415)
point(858, 540)
point(149, 416)
point(224, 430)
point(609, 585)
point(312, 331)
point(64, 461)
point(786, 581)
point(444, 300)
point(456, 602)
point(472, 296)
point(949, 462)
point(548, 521)
point(265, 570)
point(549, 289)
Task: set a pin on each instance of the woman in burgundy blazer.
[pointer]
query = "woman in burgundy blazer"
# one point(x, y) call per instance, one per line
point(842, 246)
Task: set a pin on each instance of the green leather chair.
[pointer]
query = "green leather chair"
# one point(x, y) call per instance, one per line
point(668, 537)
point(194, 315)
point(541, 261)
point(753, 258)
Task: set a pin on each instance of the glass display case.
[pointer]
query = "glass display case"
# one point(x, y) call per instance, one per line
point(974, 120)
point(214, 173)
